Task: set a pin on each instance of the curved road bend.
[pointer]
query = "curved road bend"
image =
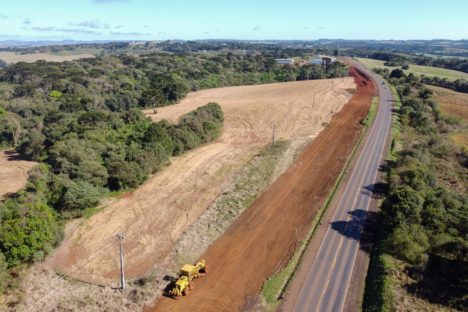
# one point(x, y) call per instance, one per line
point(328, 279)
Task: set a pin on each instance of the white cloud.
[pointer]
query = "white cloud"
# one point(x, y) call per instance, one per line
point(95, 24)
point(118, 33)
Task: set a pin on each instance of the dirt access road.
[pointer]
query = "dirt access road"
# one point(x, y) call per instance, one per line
point(155, 216)
point(13, 172)
point(262, 239)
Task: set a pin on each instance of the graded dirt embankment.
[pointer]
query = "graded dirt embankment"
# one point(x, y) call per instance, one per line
point(13, 172)
point(155, 216)
point(263, 238)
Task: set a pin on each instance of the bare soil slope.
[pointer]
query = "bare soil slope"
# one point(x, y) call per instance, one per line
point(263, 238)
point(155, 216)
point(13, 172)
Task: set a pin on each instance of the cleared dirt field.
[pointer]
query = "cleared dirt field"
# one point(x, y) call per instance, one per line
point(12, 57)
point(13, 172)
point(155, 216)
point(263, 238)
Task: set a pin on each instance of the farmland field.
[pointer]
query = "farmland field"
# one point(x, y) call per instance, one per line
point(12, 57)
point(451, 103)
point(155, 215)
point(454, 105)
point(418, 69)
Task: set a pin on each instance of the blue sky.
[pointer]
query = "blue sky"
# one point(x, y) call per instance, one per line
point(234, 19)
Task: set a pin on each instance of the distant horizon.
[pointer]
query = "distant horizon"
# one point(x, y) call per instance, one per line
point(218, 39)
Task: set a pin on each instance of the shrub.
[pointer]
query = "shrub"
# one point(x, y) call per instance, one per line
point(55, 94)
point(409, 243)
point(26, 228)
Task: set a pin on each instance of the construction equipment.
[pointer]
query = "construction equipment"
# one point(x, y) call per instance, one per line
point(187, 274)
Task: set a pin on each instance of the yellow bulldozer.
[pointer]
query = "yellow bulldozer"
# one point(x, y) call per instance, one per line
point(187, 274)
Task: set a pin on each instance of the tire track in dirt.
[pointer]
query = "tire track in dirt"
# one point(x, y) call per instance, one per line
point(262, 239)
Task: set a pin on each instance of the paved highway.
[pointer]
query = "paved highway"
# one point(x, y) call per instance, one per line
point(328, 279)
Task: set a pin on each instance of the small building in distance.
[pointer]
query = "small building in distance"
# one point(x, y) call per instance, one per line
point(285, 61)
point(322, 60)
point(315, 61)
point(137, 43)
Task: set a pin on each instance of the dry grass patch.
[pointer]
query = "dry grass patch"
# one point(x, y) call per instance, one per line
point(12, 57)
point(13, 172)
point(460, 139)
point(451, 103)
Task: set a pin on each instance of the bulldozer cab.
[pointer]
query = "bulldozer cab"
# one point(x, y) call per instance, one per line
point(187, 270)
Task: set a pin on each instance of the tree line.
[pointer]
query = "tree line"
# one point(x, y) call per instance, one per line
point(425, 211)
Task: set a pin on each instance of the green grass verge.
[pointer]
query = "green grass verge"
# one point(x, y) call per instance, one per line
point(372, 112)
point(418, 70)
point(278, 283)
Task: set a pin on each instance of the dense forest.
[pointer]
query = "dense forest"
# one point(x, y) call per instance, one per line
point(82, 122)
point(424, 221)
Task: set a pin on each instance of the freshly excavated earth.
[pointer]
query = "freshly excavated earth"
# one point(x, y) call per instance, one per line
point(263, 238)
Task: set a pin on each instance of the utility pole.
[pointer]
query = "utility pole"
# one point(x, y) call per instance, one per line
point(121, 237)
point(273, 138)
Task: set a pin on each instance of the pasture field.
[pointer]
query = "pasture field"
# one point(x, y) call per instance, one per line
point(418, 70)
point(455, 106)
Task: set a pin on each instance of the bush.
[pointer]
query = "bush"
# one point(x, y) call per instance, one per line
point(79, 196)
point(27, 228)
point(403, 206)
point(409, 243)
point(55, 94)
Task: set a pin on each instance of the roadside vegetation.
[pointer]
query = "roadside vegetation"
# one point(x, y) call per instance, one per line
point(420, 259)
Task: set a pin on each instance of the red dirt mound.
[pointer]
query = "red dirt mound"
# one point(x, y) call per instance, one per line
point(262, 240)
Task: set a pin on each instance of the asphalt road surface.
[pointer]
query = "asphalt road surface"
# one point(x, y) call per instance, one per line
point(328, 279)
